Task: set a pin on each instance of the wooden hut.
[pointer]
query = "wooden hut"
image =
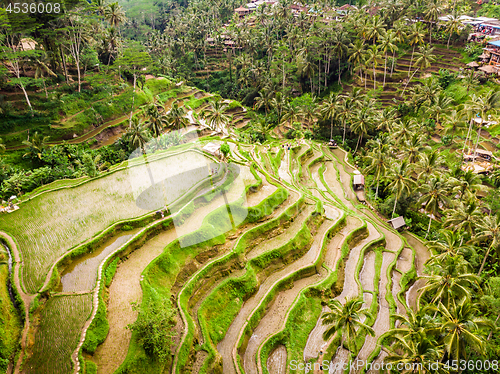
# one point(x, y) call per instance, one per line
point(359, 182)
point(397, 223)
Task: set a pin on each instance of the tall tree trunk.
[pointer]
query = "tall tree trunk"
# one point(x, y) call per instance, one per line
point(428, 227)
point(27, 98)
point(407, 83)
point(339, 72)
point(484, 260)
point(331, 129)
point(343, 139)
point(374, 78)
point(79, 77)
point(133, 101)
point(448, 44)
point(376, 189)
point(394, 209)
point(392, 65)
point(477, 138)
point(467, 137)
point(385, 69)
point(64, 64)
point(411, 61)
point(360, 139)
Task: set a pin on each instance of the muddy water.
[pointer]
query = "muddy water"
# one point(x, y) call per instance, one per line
point(382, 323)
point(226, 346)
point(367, 281)
point(350, 289)
point(276, 363)
point(422, 255)
point(81, 275)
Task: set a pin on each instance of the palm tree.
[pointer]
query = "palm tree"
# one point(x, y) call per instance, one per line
point(377, 166)
point(91, 165)
point(388, 44)
point(36, 145)
point(41, 68)
point(428, 164)
point(176, 117)
point(449, 244)
point(400, 181)
point(306, 68)
point(340, 46)
point(414, 147)
point(423, 61)
point(2, 146)
point(454, 123)
point(489, 229)
point(156, 120)
point(461, 328)
point(348, 106)
point(356, 55)
point(373, 54)
point(114, 14)
point(264, 99)
point(139, 134)
point(420, 355)
point(450, 279)
point(467, 185)
point(278, 103)
point(453, 26)
point(434, 9)
point(402, 130)
point(362, 124)
point(215, 116)
point(434, 196)
point(309, 113)
point(329, 110)
point(470, 80)
point(375, 29)
point(346, 320)
point(415, 37)
point(483, 105)
point(441, 103)
point(463, 216)
point(291, 114)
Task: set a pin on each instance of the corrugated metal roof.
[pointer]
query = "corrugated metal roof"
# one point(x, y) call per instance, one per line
point(496, 43)
point(359, 179)
point(397, 222)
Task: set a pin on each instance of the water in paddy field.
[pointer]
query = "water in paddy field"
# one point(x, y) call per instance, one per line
point(81, 275)
point(9, 285)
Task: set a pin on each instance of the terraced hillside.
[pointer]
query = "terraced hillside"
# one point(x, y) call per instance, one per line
point(249, 259)
point(447, 59)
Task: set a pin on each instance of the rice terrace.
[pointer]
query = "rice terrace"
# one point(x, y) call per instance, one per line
point(271, 187)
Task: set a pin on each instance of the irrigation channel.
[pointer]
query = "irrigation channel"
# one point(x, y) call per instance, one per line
point(251, 301)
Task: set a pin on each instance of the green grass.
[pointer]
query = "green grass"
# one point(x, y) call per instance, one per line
point(50, 224)
point(10, 323)
point(98, 329)
point(54, 346)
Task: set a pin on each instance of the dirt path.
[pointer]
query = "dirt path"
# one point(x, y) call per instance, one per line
point(275, 318)
point(283, 169)
point(227, 346)
point(27, 298)
point(126, 287)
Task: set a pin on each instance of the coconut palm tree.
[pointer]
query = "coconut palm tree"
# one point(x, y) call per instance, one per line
point(414, 147)
point(453, 26)
point(356, 55)
point(454, 123)
point(467, 185)
point(434, 197)
point(483, 105)
point(415, 37)
point(461, 328)
point(264, 99)
point(215, 116)
point(291, 114)
point(428, 164)
point(423, 61)
point(41, 65)
point(450, 243)
point(450, 279)
point(400, 181)
point(138, 134)
point(402, 130)
point(373, 55)
point(463, 217)
point(375, 29)
point(176, 117)
point(432, 12)
point(329, 110)
point(156, 120)
point(363, 122)
point(339, 47)
point(378, 164)
point(388, 44)
point(489, 229)
point(278, 103)
point(114, 14)
point(348, 106)
point(346, 320)
point(420, 355)
point(36, 145)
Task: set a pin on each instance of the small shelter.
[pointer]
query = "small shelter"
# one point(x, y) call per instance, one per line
point(397, 223)
point(241, 11)
point(488, 69)
point(359, 182)
point(473, 64)
point(485, 155)
point(212, 148)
